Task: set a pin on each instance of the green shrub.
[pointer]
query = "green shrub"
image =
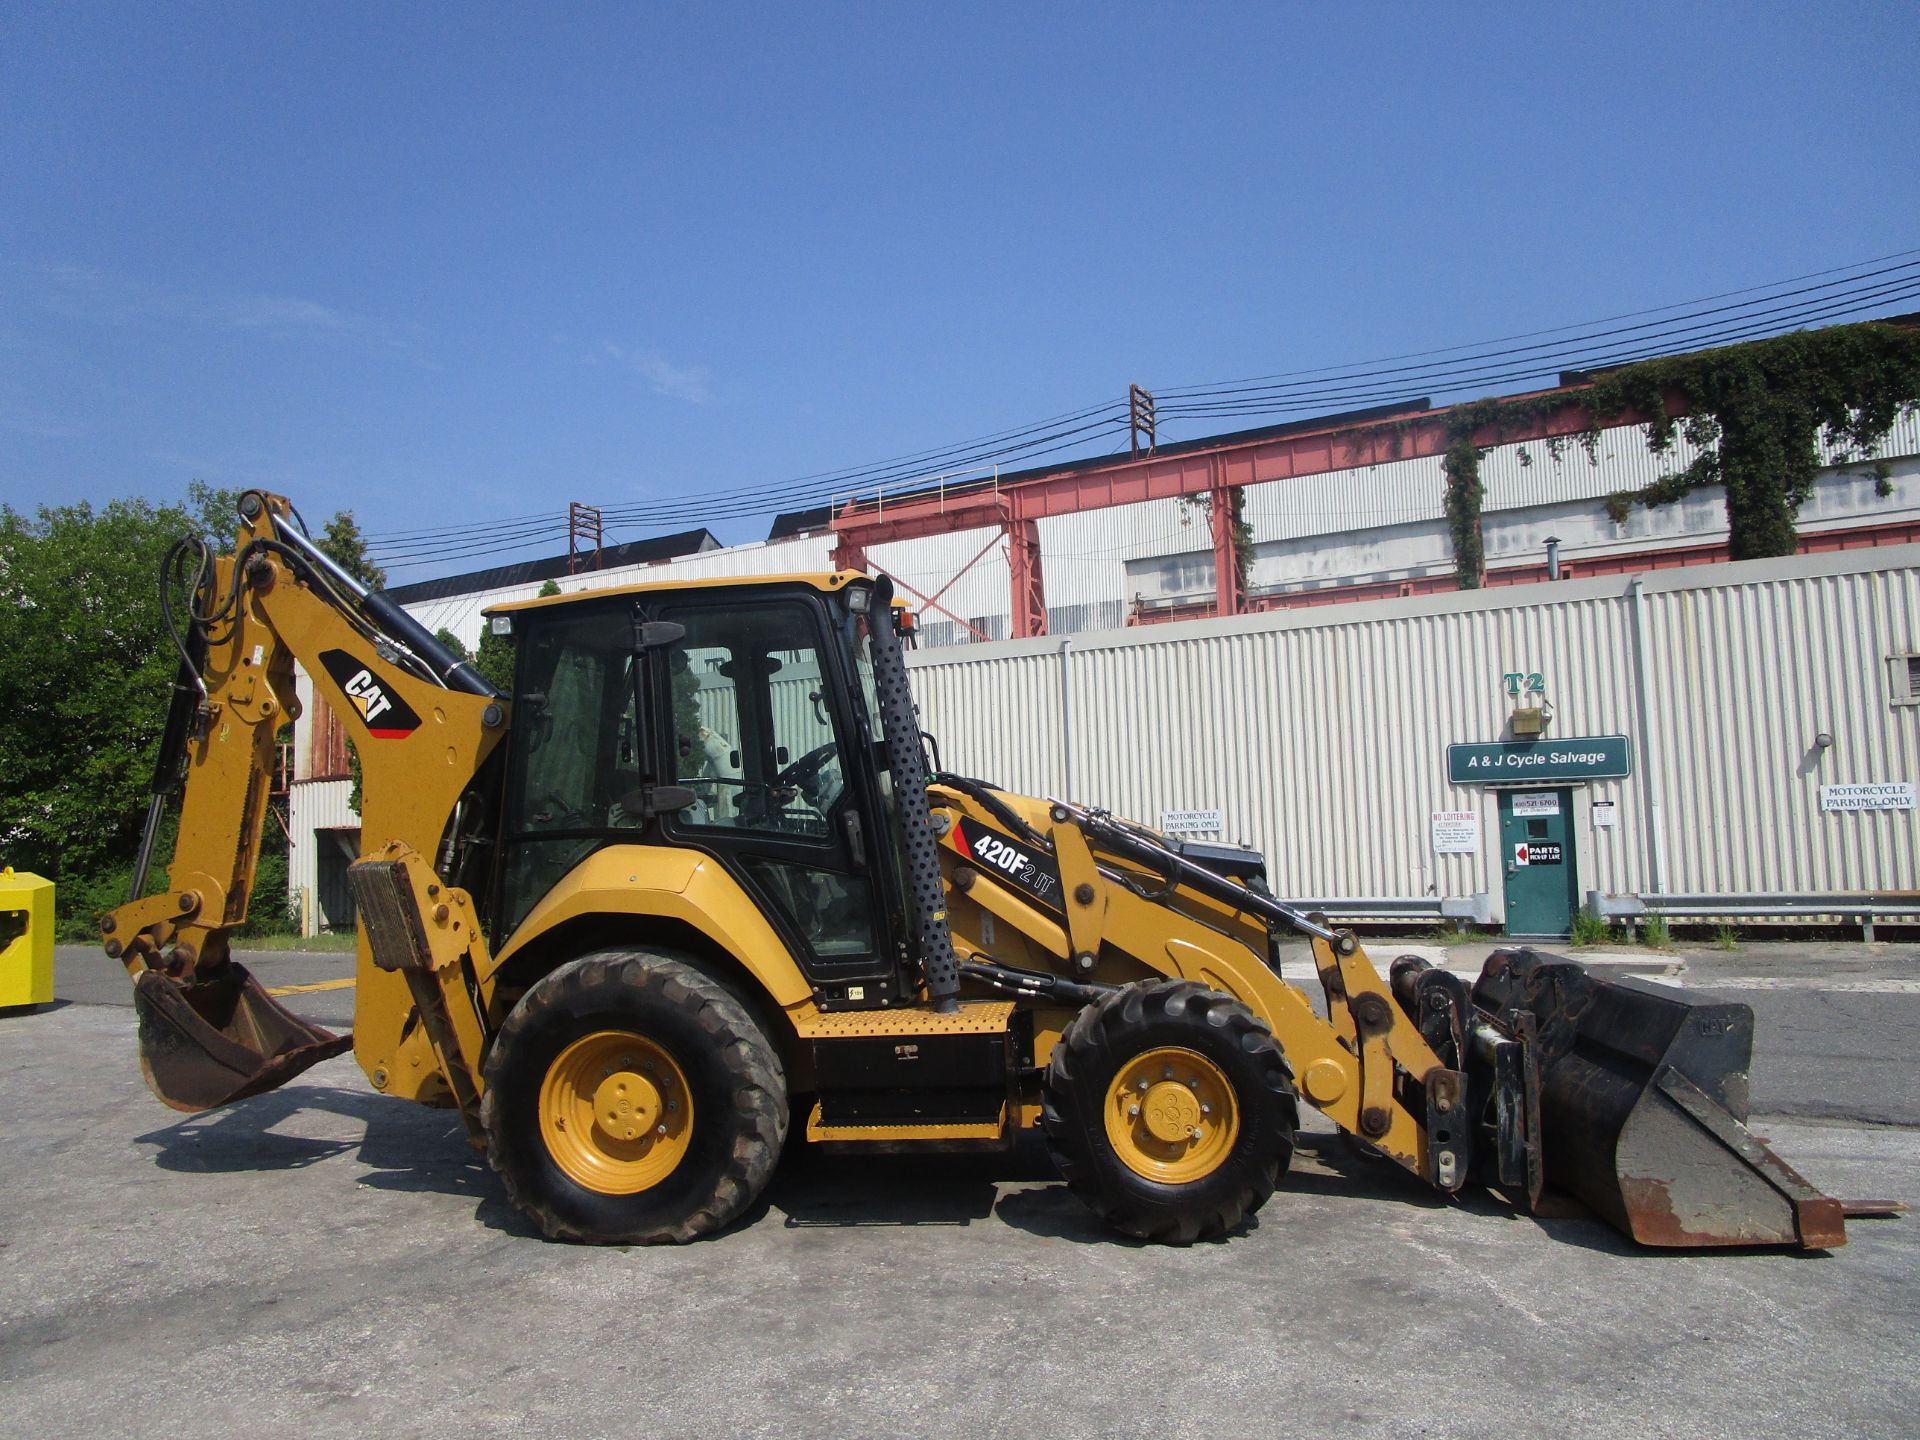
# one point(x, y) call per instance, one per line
point(1590, 929)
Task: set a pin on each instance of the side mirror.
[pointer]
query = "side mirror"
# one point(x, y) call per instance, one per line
point(654, 634)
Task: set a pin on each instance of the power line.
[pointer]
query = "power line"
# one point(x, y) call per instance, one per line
point(1700, 323)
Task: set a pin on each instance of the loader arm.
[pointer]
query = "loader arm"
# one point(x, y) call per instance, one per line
point(1629, 1095)
point(421, 724)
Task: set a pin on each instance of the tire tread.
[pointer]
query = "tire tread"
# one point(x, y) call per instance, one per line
point(753, 1071)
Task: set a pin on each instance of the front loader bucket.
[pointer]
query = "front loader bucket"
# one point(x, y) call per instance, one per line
point(1642, 1096)
point(221, 1039)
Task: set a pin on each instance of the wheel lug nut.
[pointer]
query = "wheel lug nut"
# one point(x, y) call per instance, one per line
point(1133, 1112)
point(1206, 1109)
point(660, 1130)
point(1167, 1074)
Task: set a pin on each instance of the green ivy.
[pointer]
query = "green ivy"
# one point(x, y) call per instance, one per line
point(1756, 412)
point(1240, 531)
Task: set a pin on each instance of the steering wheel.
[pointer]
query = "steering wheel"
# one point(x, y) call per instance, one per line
point(796, 775)
point(570, 818)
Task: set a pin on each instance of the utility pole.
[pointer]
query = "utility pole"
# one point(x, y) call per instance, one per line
point(583, 525)
point(1140, 418)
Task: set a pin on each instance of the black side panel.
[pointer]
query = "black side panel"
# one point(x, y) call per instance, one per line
point(882, 1079)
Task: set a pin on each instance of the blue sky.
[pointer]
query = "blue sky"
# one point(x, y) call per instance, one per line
point(440, 263)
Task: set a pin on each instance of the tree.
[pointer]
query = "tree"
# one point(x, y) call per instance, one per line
point(83, 691)
point(83, 697)
point(342, 543)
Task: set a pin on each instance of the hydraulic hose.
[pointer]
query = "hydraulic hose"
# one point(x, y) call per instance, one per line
point(380, 608)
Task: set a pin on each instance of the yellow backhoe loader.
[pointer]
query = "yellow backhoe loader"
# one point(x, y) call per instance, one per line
point(695, 881)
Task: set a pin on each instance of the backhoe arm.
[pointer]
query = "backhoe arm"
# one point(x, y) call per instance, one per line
point(421, 724)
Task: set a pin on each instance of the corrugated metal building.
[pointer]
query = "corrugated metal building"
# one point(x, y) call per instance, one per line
point(1320, 537)
point(1321, 736)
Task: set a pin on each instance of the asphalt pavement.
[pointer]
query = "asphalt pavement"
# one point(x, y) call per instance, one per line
point(326, 1260)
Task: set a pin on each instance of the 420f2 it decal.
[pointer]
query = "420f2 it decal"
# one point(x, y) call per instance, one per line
point(1008, 859)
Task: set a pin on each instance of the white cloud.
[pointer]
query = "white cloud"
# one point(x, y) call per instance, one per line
point(88, 293)
point(691, 383)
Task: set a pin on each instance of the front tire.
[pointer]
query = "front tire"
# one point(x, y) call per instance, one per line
point(1170, 1111)
point(631, 1100)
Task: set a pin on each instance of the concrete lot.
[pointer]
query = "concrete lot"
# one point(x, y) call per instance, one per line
point(328, 1259)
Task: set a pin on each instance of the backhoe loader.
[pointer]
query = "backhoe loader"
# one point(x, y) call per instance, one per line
point(700, 878)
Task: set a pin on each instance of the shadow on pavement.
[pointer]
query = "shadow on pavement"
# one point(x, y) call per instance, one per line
point(408, 1148)
point(812, 1189)
point(411, 1149)
point(46, 1007)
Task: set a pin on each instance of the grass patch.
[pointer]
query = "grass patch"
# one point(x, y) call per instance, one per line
point(1654, 933)
point(341, 943)
point(1590, 929)
point(1725, 937)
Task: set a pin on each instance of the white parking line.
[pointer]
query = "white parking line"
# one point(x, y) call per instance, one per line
point(1872, 986)
point(1300, 973)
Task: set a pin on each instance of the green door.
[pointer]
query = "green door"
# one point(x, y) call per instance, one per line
point(1536, 851)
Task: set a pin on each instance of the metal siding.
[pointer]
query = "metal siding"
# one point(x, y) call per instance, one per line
point(1745, 677)
point(1322, 736)
point(312, 806)
point(461, 613)
point(937, 565)
point(1404, 492)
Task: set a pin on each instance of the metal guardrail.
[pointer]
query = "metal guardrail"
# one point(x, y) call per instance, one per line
point(1864, 906)
point(1477, 908)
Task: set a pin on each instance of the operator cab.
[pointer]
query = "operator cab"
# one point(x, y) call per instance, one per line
point(737, 720)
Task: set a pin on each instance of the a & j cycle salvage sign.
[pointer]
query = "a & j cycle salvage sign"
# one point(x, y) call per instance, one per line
point(1532, 762)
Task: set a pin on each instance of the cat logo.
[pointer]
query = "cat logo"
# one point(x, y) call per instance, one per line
point(379, 706)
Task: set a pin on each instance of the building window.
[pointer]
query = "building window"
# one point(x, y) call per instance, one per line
point(1905, 678)
point(1172, 577)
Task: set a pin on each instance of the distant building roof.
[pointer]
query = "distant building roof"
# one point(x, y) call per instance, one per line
point(525, 572)
point(804, 522)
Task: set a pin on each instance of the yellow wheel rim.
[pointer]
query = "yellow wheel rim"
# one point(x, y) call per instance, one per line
point(1171, 1115)
point(615, 1112)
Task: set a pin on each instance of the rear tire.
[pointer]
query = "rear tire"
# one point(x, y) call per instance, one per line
point(1123, 1111)
point(631, 1100)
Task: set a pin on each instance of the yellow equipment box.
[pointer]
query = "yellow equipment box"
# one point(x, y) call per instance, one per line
point(26, 939)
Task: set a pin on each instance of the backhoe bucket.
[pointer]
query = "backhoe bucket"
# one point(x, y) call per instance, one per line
point(221, 1039)
point(1642, 1102)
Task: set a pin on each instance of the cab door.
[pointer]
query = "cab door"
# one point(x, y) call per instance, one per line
point(760, 724)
